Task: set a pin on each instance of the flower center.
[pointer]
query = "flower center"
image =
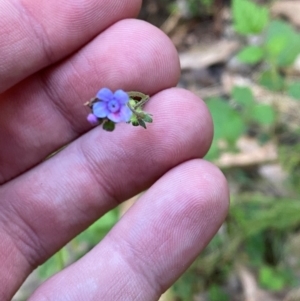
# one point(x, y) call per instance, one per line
point(113, 106)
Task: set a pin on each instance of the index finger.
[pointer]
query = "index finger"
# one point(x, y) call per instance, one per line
point(34, 34)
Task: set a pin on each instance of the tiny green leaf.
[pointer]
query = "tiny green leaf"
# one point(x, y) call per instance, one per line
point(142, 123)
point(148, 118)
point(109, 125)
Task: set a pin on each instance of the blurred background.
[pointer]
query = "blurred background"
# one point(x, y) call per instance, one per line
point(243, 58)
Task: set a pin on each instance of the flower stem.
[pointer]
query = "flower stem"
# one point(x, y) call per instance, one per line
point(143, 98)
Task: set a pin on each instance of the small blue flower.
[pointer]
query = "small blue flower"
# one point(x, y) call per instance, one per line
point(112, 105)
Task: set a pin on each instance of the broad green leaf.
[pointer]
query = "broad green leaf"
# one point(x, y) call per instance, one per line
point(213, 152)
point(228, 123)
point(282, 44)
point(271, 80)
point(243, 96)
point(263, 114)
point(249, 18)
point(251, 55)
point(294, 90)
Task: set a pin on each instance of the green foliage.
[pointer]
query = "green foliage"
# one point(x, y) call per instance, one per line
point(279, 49)
point(256, 248)
point(273, 279)
point(253, 214)
point(88, 238)
point(196, 7)
point(294, 90)
point(251, 55)
point(256, 230)
point(53, 264)
point(249, 18)
point(216, 293)
point(282, 44)
point(228, 124)
point(109, 126)
point(185, 287)
point(99, 229)
point(272, 80)
point(256, 225)
point(243, 96)
point(289, 158)
point(263, 114)
point(252, 112)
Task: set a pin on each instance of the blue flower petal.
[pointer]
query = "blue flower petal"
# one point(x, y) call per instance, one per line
point(121, 96)
point(115, 117)
point(100, 109)
point(105, 94)
point(126, 113)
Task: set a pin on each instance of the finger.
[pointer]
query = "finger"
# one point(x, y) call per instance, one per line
point(55, 201)
point(34, 34)
point(48, 112)
point(154, 242)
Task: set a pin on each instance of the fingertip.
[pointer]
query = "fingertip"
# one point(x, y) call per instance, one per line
point(185, 118)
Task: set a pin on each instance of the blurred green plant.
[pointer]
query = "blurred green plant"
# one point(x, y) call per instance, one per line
point(195, 8)
point(274, 279)
point(258, 225)
point(228, 125)
point(248, 17)
point(294, 90)
point(255, 231)
point(79, 245)
point(280, 44)
point(233, 120)
point(216, 293)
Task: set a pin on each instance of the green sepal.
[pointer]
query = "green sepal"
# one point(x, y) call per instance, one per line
point(109, 125)
point(142, 123)
point(134, 120)
point(147, 118)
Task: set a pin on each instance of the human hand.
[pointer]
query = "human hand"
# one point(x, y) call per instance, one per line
point(54, 56)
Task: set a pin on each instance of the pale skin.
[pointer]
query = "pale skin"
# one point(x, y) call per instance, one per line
point(54, 56)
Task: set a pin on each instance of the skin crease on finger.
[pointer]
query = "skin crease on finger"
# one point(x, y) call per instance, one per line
point(94, 174)
point(154, 242)
point(60, 91)
point(34, 34)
